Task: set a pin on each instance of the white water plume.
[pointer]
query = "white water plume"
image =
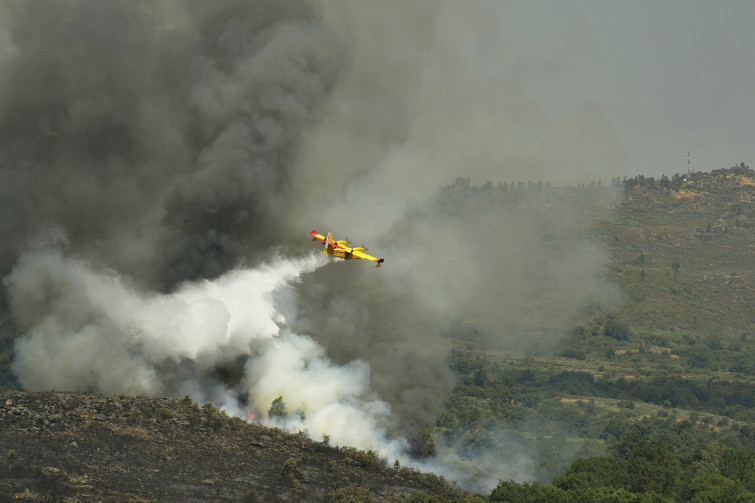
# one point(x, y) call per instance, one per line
point(99, 331)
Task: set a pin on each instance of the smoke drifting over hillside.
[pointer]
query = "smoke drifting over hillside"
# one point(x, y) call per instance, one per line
point(162, 164)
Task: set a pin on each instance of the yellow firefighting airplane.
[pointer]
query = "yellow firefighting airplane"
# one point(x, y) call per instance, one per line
point(339, 248)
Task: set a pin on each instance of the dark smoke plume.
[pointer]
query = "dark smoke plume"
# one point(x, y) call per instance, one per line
point(157, 139)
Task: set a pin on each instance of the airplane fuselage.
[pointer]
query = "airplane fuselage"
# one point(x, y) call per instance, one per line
point(335, 252)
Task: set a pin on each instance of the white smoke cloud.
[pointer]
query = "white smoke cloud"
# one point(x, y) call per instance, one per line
point(205, 322)
point(97, 330)
point(321, 397)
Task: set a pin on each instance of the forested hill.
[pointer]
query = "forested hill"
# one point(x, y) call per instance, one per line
point(671, 363)
point(681, 252)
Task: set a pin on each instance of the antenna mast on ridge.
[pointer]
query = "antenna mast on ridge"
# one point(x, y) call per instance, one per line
point(689, 164)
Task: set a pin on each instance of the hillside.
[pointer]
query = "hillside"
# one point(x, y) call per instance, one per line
point(672, 359)
point(94, 448)
point(695, 246)
point(683, 258)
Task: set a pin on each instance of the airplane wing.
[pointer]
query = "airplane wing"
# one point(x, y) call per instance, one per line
point(378, 261)
point(332, 243)
point(317, 237)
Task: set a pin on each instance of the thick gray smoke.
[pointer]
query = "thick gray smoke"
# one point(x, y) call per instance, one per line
point(159, 139)
point(161, 166)
point(91, 329)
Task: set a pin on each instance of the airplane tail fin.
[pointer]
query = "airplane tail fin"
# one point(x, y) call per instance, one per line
point(330, 241)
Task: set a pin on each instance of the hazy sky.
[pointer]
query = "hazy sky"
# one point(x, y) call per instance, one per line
point(669, 76)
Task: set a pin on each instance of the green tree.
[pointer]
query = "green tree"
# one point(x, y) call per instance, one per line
point(613, 495)
point(599, 471)
point(527, 492)
point(616, 330)
point(739, 465)
point(278, 408)
point(480, 377)
point(715, 488)
point(649, 466)
point(424, 445)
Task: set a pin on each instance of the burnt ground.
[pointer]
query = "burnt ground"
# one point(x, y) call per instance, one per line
point(82, 447)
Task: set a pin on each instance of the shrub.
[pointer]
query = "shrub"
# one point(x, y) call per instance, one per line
point(350, 494)
point(167, 414)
